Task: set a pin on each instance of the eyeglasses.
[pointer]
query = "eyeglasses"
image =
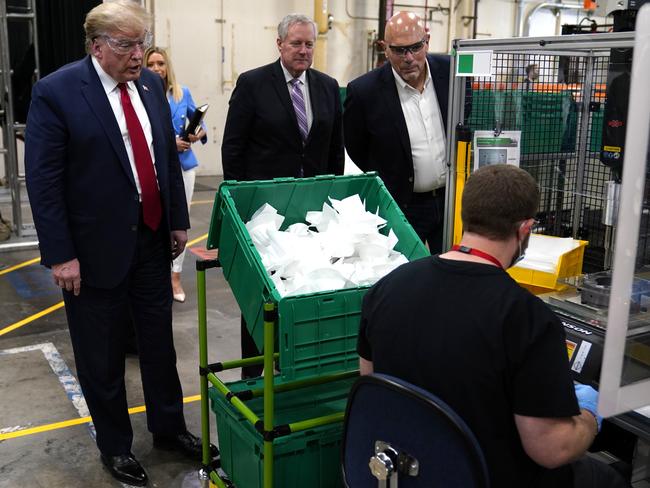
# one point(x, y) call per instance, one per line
point(413, 48)
point(534, 227)
point(126, 46)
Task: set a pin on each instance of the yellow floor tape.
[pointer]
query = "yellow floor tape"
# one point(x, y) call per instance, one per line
point(53, 308)
point(79, 421)
point(31, 318)
point(21, 265)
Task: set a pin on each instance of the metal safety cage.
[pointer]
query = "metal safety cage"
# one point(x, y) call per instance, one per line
point(618, 394)
point(11, 129)
point(560, 118)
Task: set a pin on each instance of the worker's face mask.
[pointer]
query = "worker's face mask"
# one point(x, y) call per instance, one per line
point(522, 246)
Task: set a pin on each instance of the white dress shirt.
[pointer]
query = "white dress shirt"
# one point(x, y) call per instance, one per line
point(426, 133)
point(304, 88)
point(113, 94)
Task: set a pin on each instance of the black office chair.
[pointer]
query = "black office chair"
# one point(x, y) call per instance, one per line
point(395, 431)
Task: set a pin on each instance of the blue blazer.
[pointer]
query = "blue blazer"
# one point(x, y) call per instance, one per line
point(80, 183)
point(376, 136)
point(181, 112)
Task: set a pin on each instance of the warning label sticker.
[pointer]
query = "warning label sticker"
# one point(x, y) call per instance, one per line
point(581, 356)
point(570, 348)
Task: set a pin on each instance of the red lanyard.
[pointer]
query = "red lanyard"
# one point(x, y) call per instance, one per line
point(476, 252)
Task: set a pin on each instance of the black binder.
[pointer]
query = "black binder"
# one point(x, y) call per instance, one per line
point(195, 122)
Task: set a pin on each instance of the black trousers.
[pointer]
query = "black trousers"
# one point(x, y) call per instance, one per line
point(248, 350)
point(426, 214)
point(99, 319)
point(586, 472)
point(592, 473)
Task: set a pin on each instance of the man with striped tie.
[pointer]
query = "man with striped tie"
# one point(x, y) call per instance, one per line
point(284, 119)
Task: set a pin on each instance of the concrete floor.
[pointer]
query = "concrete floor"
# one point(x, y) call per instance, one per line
point(38, 376)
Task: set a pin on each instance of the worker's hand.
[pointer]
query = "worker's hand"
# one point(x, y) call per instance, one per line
point(67, 275)
point(178, 241)
point(181, 145)
point(588, 400)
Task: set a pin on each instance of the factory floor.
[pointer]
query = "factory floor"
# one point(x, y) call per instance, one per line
point(44, 439)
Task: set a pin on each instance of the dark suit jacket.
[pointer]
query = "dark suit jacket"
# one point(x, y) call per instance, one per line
point(376, 136)
point(261, 138)
point(80, 183)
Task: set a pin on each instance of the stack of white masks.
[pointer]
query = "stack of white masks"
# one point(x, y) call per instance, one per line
point(338, 247)
point(544, 252)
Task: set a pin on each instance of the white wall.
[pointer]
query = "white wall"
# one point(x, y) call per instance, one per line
point(212, 41)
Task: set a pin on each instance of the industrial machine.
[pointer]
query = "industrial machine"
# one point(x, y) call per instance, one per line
point(571, 133)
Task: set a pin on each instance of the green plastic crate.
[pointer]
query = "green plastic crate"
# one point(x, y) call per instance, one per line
point(309, 458)
point(596, 139)
point(316, 333)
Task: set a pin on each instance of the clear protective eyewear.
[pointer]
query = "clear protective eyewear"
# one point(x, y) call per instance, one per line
point(413, 48)
point(127, 46)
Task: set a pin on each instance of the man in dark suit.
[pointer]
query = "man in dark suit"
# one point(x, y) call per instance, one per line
point(395, 120)
point(284, 119)
point(107, 197)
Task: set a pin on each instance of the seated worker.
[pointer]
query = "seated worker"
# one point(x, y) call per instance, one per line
point(459, 326)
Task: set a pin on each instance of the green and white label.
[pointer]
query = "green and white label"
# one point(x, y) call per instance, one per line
point(475, 63)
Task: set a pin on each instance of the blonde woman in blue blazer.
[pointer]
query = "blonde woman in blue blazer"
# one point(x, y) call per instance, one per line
point(182, 107)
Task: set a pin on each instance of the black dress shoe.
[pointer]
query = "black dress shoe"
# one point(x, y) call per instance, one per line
point(185, 443)
point(126, 468)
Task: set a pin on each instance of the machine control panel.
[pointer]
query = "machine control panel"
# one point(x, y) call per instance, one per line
point(585, 350)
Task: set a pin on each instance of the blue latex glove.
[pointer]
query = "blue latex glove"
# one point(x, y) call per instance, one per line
point(588, 399)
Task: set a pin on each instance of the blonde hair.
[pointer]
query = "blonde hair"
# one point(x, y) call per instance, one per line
point(170, 82)
point(115, 16)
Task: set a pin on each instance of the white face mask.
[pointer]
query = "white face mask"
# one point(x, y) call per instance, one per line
point(521, 252)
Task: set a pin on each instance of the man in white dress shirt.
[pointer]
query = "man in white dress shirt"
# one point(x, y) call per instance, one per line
point(394, 122)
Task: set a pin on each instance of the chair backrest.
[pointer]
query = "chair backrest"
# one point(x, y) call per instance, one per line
point(389, 420)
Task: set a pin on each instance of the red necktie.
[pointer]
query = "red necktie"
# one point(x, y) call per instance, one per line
point(151, 211)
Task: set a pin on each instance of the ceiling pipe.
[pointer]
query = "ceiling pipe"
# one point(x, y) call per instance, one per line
point(321, 18)
point(549, 6)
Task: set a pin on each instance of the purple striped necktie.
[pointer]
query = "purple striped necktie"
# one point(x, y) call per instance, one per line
point(299, 107)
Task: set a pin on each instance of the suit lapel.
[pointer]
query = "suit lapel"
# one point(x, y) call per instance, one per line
point(280, 86)
point(316, 97)
point(440, 78)
point(394, 106)
point(93, 91)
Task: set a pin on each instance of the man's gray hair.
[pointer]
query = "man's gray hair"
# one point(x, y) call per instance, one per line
point(292, 19)
point(115, 16)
